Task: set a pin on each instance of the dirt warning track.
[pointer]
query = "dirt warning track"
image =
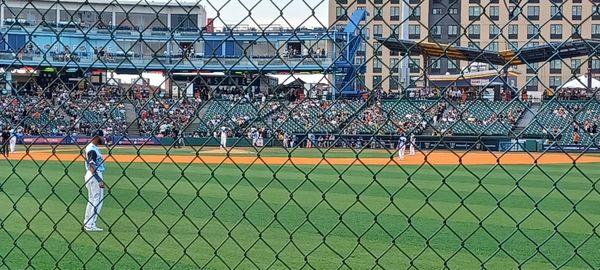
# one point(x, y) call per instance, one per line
point(434, 158)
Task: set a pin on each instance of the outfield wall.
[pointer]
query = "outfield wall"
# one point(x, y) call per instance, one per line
point(458, 143)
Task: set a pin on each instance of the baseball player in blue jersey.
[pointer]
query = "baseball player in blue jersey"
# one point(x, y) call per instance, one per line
point(401, 146)
point(94, 182)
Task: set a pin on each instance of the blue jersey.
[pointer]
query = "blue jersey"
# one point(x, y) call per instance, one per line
point(93, 156)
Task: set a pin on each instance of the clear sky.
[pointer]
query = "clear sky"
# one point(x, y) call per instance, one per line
point(287, 13)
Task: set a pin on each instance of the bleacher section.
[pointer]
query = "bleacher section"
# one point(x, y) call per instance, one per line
point(482, 117)
point(556, 117)
point(315, 116)
point(225, 113)
point(407, 114)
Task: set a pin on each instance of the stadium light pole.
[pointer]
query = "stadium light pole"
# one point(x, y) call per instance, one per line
point(403, 69)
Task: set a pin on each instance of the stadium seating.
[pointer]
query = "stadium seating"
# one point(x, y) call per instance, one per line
point(483, 117)
point(315, 116)
point(228, 114)
point(346, 116)
point(556, 117)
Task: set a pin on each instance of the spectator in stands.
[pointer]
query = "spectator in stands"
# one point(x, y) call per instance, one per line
point(576, 138)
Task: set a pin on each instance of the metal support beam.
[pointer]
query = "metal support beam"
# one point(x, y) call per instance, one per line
point(505, 77)
point(589, 73)
point(425, 70)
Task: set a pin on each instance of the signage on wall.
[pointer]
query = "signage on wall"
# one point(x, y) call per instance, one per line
point(480, 82)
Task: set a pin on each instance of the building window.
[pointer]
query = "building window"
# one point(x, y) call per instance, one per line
point(532, 81)
point(555, 66)
point(414, 31)
point(595, 30)
point(376, 82)
point(575, 31)
point(494, 31)
point(395, 11)
point(377, 30)
point(452, 30)
point(533, 12)
point(596, 13)
point(595, 64)
point(533, 31)
point(453, 11)
point(453, 64)
point(513, 13)
point(377, 48)
point(361, 51)
point(555, 81)
point(494, 13)
point(436, 65)
point(513, 31)
point(414, 65)
point(377, 65)
point(394, 64)
point(556, 12)
point(395, 30)
point(576, 13)
point(556, 31)
point(575, 66)
point(473, 45)
point(474, 12)
point(513, 45)
point(415, 13)
point(436, 31)
point(493, 46)
point(474, 31)
point(377, 11)
point(532, 68)
point(436, 11)
point(340, 13)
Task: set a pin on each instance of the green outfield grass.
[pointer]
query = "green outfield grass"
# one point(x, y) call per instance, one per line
point(168, 215)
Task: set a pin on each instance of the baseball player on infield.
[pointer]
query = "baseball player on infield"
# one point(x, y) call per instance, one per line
point(401, 146)
point(94, 182)
point(411, 146)
point(223, 144)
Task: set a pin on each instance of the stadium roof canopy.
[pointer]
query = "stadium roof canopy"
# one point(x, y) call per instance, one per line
point(532, 54)
point(170, 3)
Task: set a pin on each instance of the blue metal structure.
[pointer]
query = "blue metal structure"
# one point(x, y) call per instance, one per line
point(129, 50)
point(215, 51)
point(346, 63)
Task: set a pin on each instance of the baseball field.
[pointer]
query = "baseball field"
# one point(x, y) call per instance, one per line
point(309, 208)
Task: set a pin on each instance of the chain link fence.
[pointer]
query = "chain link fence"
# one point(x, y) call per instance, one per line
point(272, 134)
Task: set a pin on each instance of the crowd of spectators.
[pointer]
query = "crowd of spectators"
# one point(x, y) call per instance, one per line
point(72, 110)
point(59, 110)
point(573, 94)
point(163, 116)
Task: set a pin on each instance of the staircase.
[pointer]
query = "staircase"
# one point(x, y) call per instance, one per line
point(196, 119)
point(133, 128)
point(527, 118)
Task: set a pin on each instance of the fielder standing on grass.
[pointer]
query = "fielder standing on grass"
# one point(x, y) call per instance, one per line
point(94, 182)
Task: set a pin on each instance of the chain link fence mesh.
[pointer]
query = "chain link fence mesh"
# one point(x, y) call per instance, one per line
point(271, 134)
